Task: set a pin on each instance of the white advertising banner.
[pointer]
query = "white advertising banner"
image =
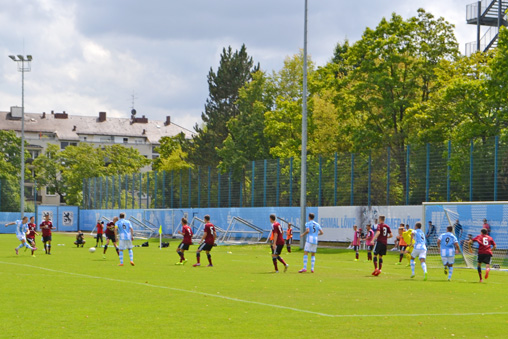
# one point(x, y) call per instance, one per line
point(337, 221)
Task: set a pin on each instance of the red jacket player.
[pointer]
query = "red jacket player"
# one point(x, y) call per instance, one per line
point(278, 244)
point(30, 235)
point(207, 241)
point(186, 242)
point(46, 226)
point(100, 232)
point(383, 233)
point(110, 236)
point(485, 242)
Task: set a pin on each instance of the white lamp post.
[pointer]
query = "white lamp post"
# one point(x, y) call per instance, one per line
point(23, 66)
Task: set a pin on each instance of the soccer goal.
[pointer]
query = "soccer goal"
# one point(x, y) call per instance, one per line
point(467, 220)
point(141, 229)
point(241, 231)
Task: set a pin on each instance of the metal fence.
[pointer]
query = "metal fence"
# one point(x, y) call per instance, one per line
point(473, 171)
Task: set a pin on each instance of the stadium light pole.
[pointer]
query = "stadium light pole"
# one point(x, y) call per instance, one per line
point(23, 66)
point(303, 180)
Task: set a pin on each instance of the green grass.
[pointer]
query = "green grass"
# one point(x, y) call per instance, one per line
point(77, 294)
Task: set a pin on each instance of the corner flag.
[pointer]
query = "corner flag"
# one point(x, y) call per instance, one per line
point(160, 237)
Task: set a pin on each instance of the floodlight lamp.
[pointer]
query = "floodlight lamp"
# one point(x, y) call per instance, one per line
point(12, 57)
point(29, 57)
point(21, 58)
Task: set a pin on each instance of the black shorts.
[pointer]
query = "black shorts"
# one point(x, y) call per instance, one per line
point(278, 249)
point(205, 247)
point(402, 248)
point(289, 241)
point(79, 242)
point(31, 240)
point(46, 239)
point(369, 247)
point(183, 246)
point(99, 236)
point(111, 237)
point(356, 247)
point(380, 249)
point(484, 258)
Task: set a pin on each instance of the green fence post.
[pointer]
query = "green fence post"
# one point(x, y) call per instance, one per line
point(199, 186)
point(264, 183)
point(133, 189)
point(113, 192)
point(291, 182)
point(172, 189)
point(335, 175)
point(277, 193)
point(407, 174)
point(119, 191)
point(100, 193)
point(147, 190)
point(155, 189)
point(471, 171)
point(218, 188)
point(369, 180)
point(126, 191)
point(209, 186)
point(140, 188)
point(252, 184)
point(388, 177)
point(190, 188)
point(107, 193)
point(427, 174)
point(229, 189)
point(181, 190)
point(448, 170)
point(496, 152)
point(95, 193)
point(320, 180)
point(352, 197)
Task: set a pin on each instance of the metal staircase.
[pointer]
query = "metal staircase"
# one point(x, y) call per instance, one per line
point(490, 13)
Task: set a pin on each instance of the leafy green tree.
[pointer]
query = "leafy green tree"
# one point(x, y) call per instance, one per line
point(10, 165)
point(234, 71)
point(246, 140)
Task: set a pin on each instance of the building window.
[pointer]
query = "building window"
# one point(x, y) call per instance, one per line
point(125, 140)
point(34, 153)
point(64, 144)
point(50, 191)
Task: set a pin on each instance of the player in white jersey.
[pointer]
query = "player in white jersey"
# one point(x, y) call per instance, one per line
point(124, 232)
point(420, 250)
point(312, 231)
point(21, 230)
point(448, 246)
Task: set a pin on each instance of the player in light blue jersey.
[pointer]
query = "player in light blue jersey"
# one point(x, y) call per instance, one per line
point(312, 231)
point(21, 230)
point(124, 232)
point(448, 246)
point(419, 250)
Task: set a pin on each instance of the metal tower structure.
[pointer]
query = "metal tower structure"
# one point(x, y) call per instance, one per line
point(489, 13)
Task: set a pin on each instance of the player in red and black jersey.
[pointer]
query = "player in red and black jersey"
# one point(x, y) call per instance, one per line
point(207, 241)
point(278, 244)
point(486, 245)
point(382, 235)
point(100, 232)
point(186, 242)
point(46, 226)
point(110, 236)
point(30, 235)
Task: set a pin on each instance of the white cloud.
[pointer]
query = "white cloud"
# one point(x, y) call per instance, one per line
point(90, 56)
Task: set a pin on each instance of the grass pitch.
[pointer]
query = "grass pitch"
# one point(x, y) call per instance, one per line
point(76, 294)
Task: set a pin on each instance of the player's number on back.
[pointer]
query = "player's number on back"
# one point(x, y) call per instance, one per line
point(385, 231)
point(447, 240)
point(485, 241)
point(313, 229)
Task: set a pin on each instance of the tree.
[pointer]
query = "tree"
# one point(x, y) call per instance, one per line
point(283, 124)
point(246, 140)
point(234, 71)
point(171, 154)
point(392, 70)
point(10, 165)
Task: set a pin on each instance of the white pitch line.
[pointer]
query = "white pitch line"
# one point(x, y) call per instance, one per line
point(257, 302)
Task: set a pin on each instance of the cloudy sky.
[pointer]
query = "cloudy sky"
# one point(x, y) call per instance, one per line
point(93, 55)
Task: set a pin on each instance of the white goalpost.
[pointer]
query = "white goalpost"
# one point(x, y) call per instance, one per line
point(467, 220)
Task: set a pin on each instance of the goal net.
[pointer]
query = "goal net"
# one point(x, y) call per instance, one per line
point(467, 220)
point(241, 231)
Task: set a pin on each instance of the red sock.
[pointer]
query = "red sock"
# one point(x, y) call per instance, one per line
point(375, 263)
point(380, 263)
point(281, 260)
point(275, 263)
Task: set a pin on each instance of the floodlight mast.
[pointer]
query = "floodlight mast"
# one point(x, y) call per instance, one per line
point(303, 183)
point(23, 66)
